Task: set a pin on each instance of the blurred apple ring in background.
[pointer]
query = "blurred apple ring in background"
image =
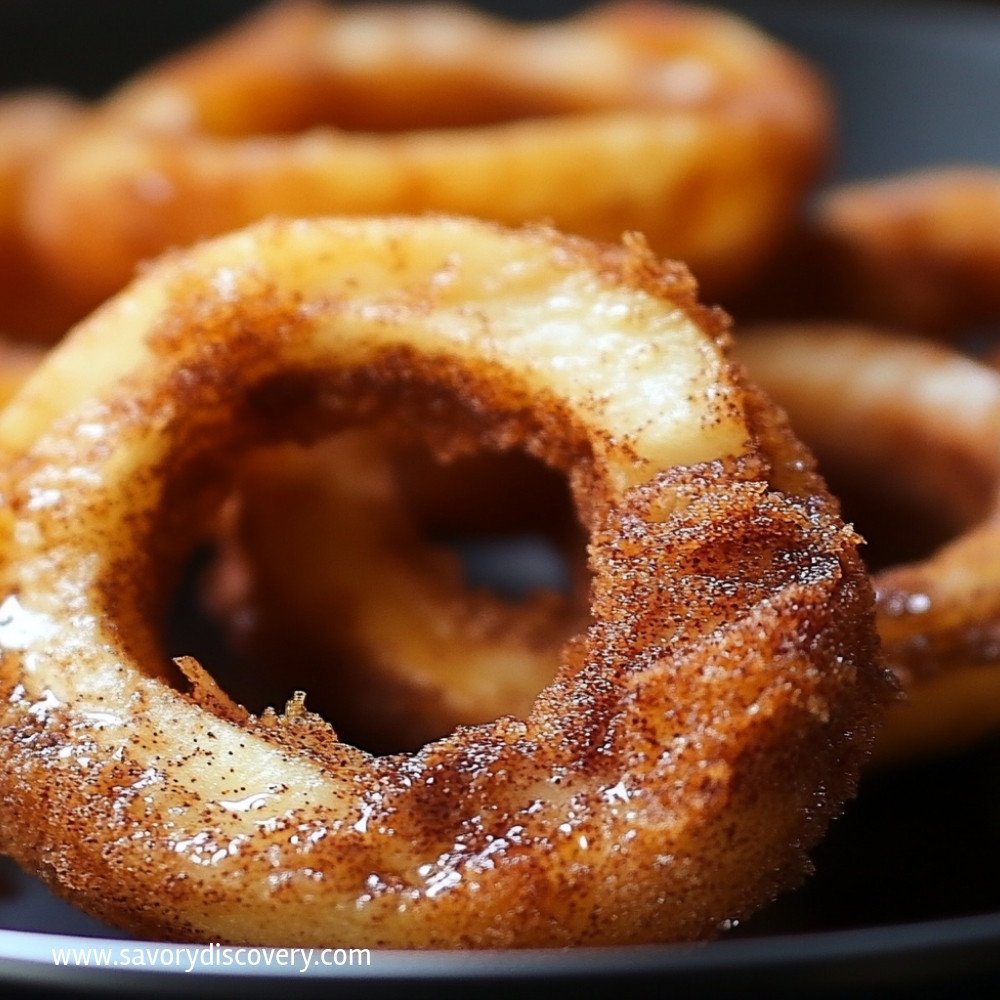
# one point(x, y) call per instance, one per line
point(686, 124)
point(915, 251)
point(918, 251)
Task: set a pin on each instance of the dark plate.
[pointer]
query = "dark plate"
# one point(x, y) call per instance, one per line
point(906, 895)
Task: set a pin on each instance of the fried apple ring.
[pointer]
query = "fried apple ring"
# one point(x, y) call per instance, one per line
point(697, 736)
point(32, 306)
point(911, 423)
point(688, 125)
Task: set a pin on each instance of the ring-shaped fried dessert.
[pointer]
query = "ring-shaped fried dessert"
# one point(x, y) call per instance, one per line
point(696, 738)
point(915, 251)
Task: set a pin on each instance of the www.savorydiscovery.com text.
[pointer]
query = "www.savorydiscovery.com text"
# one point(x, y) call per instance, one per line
point(191, 958)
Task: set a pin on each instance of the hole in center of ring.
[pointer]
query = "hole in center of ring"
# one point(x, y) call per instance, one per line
point(404, 596)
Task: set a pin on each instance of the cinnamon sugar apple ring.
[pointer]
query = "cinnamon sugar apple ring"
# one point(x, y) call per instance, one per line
point(688, 125)
point(919, 423)
point(696, 738)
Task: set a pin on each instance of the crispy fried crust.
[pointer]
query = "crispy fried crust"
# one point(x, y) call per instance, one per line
point(688, 125)
point(696, 739)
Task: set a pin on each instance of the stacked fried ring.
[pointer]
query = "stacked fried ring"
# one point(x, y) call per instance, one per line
point(688, 125)
point(695, 739)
